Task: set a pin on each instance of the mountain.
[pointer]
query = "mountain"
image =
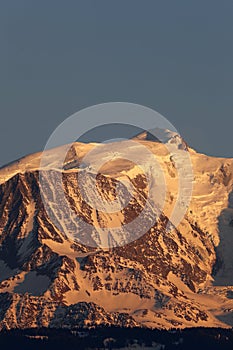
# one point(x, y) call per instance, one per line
point(55, 272)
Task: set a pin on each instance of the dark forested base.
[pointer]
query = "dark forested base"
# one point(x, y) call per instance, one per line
point(117, 338)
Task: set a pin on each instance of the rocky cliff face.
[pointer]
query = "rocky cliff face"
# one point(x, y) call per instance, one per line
point(178, 279)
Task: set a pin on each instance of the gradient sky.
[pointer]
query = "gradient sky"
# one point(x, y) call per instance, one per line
point(60, 56)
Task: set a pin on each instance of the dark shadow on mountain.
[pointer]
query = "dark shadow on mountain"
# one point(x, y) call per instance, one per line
point(5, 271)
point(33, 283)
point(16, 255)
point(226, 318)
point(223, 268)
point(5, 302)
point(12, 245)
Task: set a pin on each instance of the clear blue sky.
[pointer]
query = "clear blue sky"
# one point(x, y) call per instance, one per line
point(60, 56)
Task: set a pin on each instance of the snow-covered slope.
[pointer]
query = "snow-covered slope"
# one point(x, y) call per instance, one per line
point(178, 279)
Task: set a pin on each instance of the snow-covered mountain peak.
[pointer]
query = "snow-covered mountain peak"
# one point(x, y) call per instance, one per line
point(181, 279)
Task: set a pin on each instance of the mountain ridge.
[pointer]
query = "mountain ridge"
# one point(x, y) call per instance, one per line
point(157, 281)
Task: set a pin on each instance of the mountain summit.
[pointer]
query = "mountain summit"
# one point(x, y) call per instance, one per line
point(181, 278)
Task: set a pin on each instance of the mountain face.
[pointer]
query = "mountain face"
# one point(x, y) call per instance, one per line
point(182, 278)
